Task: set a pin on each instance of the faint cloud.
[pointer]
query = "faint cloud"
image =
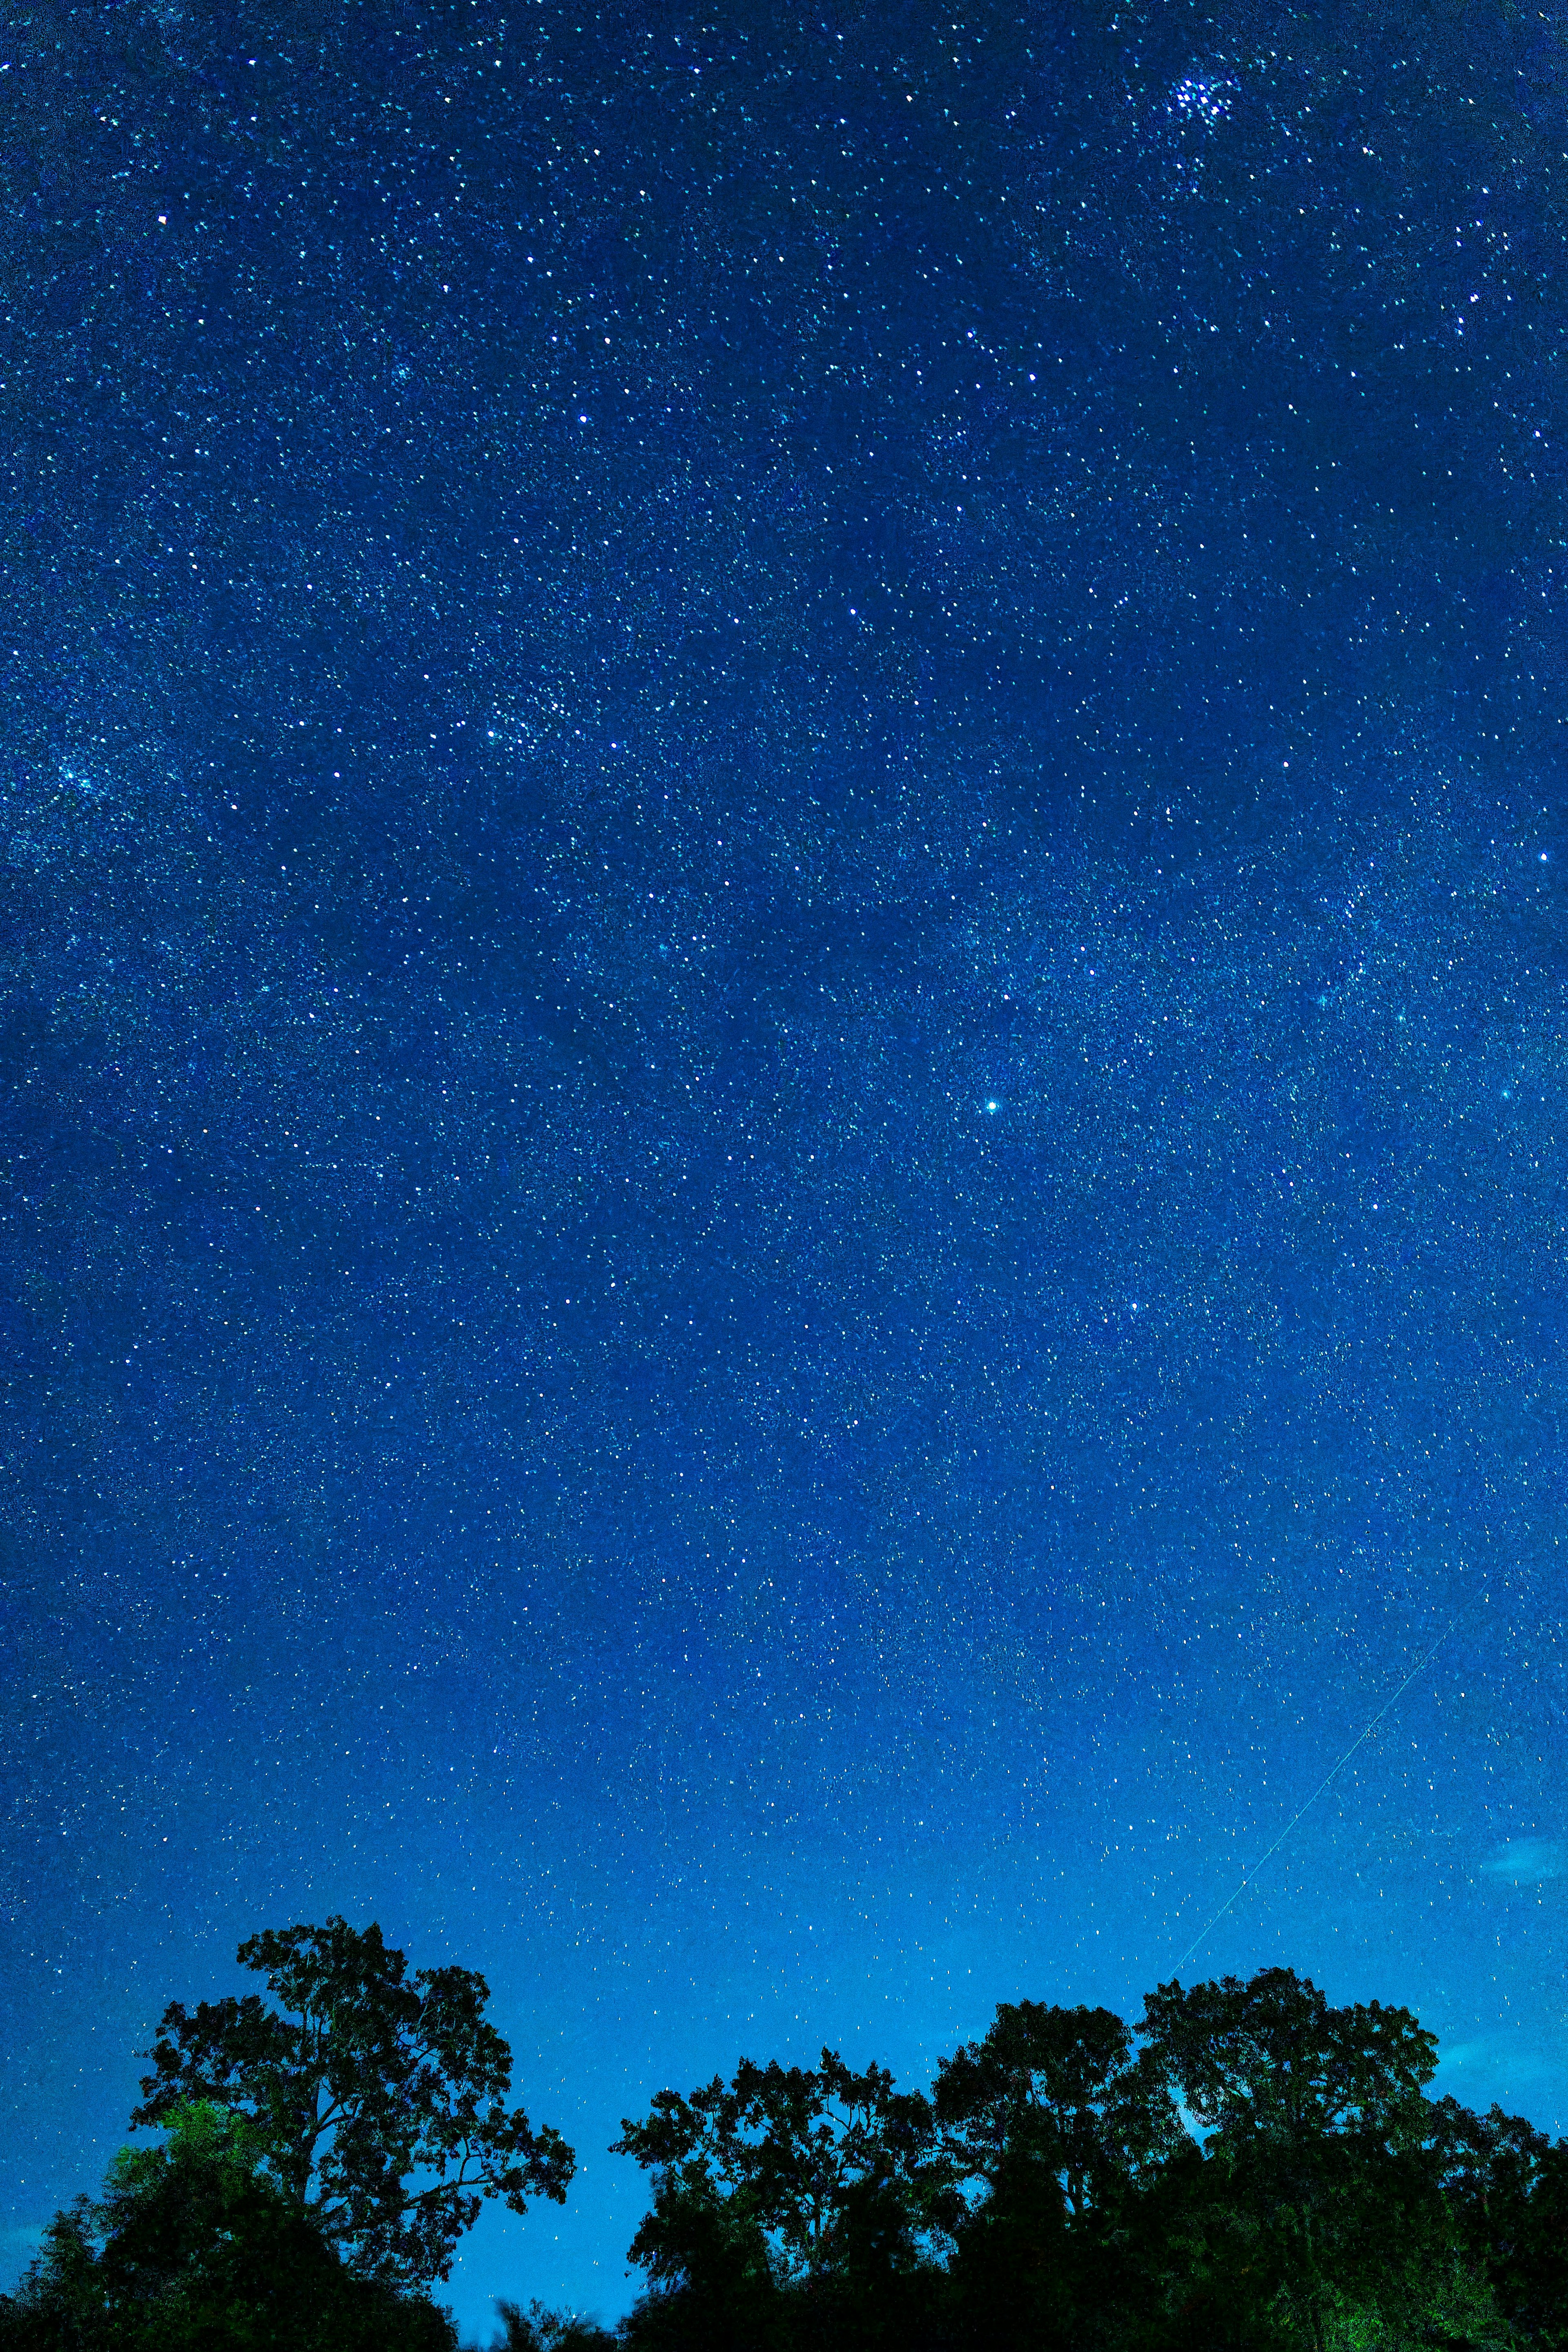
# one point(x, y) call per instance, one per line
point(1502, 2067)
point(1528, 1858)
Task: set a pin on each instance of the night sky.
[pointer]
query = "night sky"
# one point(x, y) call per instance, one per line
point(784, 981)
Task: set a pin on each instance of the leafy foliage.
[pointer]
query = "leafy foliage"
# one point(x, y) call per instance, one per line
point(795, 2172)
point(1506, 2187)
point(379, 2098)
point(1062, 2088)
point(1317, 2197)
point(1272, 2058)
point(195, 2247)
point(1251, 2170)
point(1254, 2169)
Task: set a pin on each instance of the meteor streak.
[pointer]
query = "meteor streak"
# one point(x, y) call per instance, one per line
point(1249, 1875)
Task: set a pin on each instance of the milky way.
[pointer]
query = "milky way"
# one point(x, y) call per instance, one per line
point(781, 1010)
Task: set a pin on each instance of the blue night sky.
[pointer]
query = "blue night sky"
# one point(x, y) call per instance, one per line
point(783, 1020)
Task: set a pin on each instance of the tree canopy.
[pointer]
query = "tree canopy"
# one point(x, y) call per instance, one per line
point(378, 2098)
point(1251, 2168)
point(195, 2246)
point(1272, 2058)
point(1063, 2088)
point(803, 2165)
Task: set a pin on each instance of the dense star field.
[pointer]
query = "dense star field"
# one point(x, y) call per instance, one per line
point(782, 847)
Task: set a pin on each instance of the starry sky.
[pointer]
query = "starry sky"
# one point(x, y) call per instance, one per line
point(783, 845)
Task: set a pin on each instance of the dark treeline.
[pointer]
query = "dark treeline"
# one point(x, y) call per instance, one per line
point(1247, 2166)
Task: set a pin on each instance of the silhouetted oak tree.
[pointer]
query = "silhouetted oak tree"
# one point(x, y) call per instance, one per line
point(797, 2171)
point(1053, 2121)
point(1271, 2057)
point(1058, 2087)
point(379, 2098)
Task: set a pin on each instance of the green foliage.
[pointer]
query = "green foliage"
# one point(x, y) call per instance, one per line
point(379, 2098)
point(1257, 2171)
point(1317, 2216)
point(196, 2247)
point(1506, 2187)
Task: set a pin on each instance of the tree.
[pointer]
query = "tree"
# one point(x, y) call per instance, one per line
point(379, 2099)
point(1271, 2058)
point(788, 2181)
point(704, 2232)
point(538, 2329)
point(1316, 2210)
point(193, 2246)
point(800, 2156)
point(1054, 2120)
point(1057, 2087)
point(1506, 2189)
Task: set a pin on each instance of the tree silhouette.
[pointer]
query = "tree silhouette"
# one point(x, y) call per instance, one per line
point(378, 2098)
point(1506, 2188)
point(799, 2172)
point(1058, 2087)
point(1318, 2198)
point(1255, 2169)
point(539, 2329)
point(1270, 2057)
point(193, 2246)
